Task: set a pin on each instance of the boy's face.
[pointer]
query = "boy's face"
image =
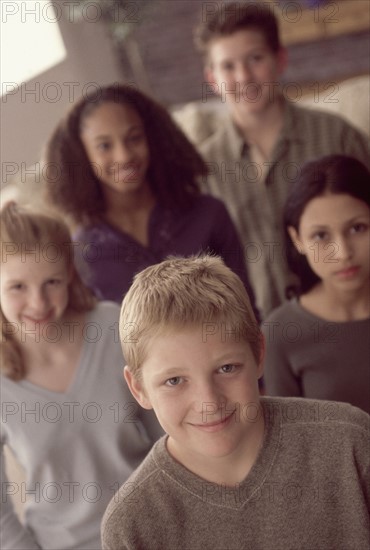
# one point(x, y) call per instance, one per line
point(245, 71)
point(204, 391)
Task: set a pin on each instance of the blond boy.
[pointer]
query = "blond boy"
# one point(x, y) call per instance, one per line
point(234, 470)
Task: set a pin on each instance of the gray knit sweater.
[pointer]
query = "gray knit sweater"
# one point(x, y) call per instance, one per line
point(309, 357)
point(308, 490)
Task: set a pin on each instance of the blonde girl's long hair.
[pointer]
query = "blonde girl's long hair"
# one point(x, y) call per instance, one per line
point(25, 231)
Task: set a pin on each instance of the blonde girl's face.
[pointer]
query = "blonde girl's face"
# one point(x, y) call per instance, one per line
point(34, 292)
point(335, 238)
point(115, 141)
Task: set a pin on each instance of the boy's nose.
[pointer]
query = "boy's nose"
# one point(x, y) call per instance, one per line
point(243, 74)
point(207, 400)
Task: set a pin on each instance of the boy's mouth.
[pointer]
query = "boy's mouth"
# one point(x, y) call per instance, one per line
point(216, 425)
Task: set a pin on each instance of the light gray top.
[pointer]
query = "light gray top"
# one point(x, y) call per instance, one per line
point(76, 447)
point(307, 356)
point(308, 490)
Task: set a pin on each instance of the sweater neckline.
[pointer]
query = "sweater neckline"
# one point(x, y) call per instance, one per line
point(220, 495)
point(78, 377)
point(297, 304)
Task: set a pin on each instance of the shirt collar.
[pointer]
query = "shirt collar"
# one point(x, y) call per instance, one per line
point(235, 139)
point(290, 130)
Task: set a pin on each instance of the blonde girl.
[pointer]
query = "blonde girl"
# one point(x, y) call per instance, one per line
point(66, 412)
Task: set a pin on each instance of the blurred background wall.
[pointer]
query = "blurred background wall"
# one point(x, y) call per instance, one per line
point(326, 43)
point(329, 42)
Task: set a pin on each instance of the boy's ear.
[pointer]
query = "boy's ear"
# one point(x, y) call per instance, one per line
point(293, 234)
point(136, 388)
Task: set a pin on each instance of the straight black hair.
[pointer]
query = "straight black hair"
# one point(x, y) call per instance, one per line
point(332, 174)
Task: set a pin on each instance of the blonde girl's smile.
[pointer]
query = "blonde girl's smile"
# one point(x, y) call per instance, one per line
point(34, 293)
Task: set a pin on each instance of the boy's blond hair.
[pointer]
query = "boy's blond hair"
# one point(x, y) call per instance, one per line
point(26, 232)
point(183, 292)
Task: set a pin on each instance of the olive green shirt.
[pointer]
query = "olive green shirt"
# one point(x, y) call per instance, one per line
point(255, 193)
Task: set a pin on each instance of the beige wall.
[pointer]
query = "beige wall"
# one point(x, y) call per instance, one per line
point(28, 118)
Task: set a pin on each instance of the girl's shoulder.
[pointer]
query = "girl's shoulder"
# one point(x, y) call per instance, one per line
point(288, 310)
point(208, 200)
point(89, 231)
point(105, 311)
point(209, 204)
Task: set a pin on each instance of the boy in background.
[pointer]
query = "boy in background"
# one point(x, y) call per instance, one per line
point(235, 470)
point(255, 156)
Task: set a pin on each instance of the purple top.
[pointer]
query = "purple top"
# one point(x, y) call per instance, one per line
point(107, 258)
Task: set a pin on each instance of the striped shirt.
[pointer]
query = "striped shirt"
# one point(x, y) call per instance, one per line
point(255, 193)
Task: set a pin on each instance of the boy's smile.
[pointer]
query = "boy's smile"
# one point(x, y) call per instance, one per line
point(217, 425)
point(200, 387)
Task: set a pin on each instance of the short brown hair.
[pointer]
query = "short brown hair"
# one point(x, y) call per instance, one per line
point(229, 18)
point(181, 292)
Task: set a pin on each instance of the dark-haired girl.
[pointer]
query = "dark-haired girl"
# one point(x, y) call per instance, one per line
point(318, 342)
point(127, 176)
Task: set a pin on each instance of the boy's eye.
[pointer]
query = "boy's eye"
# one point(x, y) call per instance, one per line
point(17, 287)
point(227, 66)
point(175, 381)
point(227, 369)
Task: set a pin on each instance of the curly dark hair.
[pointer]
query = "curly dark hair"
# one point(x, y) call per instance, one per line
point(227, 18)
point(335, 174)
point(174, 162)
